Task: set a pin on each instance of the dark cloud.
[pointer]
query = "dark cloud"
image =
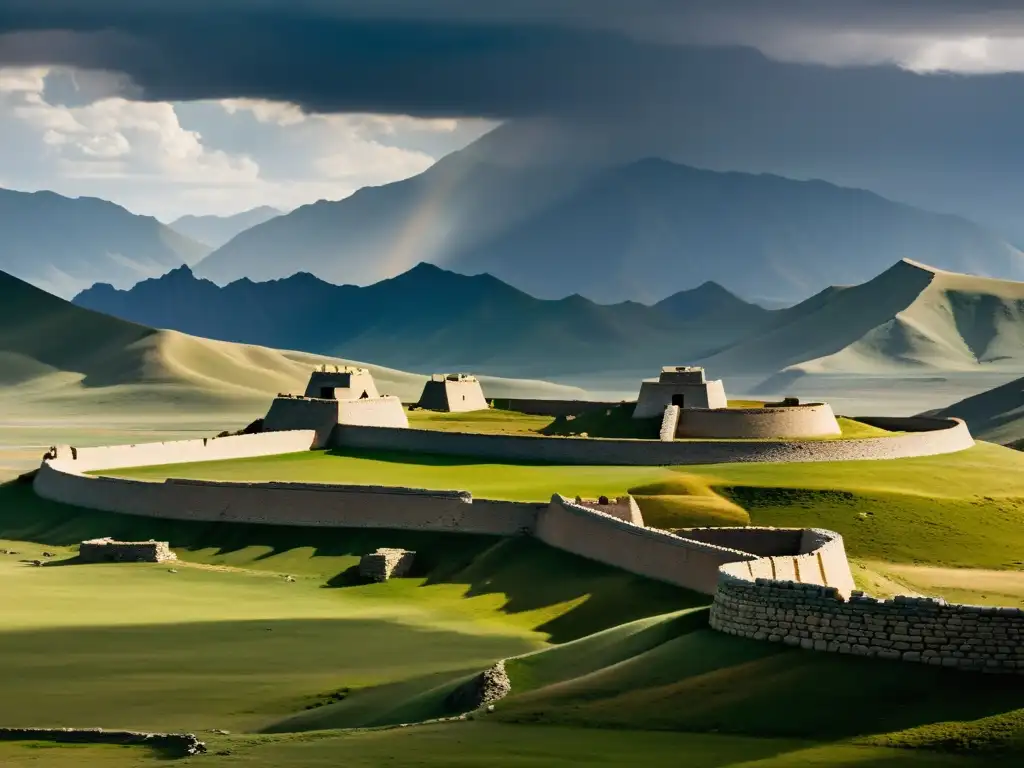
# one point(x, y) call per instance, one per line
point(628, 75)
point(445, 58)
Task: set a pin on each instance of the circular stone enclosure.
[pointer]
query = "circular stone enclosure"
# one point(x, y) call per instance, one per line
point(782, 421)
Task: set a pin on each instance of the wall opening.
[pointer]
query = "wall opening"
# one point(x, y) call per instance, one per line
point(327, 393)
point(678, 400)
point(364, 396)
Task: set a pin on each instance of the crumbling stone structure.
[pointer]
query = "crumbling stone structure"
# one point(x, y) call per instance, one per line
point(341, 383)
point(108, 550)
point(681, 385)
point(386, 563)
point(622, 508)
point(173, 744)
point(453, 393)
point(344, 395)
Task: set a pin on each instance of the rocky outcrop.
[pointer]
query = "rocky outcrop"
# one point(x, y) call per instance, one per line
point(489, 686)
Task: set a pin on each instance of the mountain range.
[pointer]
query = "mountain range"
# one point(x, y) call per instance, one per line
point(64, 245)
point(639, 231)
point(61, 360)
point(215, 231)
point(431, 319)
point(911, 318)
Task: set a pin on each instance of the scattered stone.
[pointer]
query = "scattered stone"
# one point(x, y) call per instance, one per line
point(48, 554)
point(107, 550)
point(386, 563)
point(172, 570)
point(37, 562)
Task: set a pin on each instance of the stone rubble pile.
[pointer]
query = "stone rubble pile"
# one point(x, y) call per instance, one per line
point(107, 550)
point(386, 563)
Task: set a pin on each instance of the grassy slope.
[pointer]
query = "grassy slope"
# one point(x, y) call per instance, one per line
point(679, 677)
point(964, 509)
point(462, 745)
point(523, 482)
point(137, 646)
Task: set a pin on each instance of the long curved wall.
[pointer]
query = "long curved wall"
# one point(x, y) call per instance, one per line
point(806, 609)
point(793, 421)
point(925, 437)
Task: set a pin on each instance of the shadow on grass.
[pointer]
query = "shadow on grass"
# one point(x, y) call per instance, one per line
point(428, 459)
point(201, 674)
point(590, 596)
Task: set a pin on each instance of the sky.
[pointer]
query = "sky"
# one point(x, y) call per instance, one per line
point(199, 107)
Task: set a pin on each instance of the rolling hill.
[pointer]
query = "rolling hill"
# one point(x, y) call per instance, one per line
point(996, 414)
point(64, 244)
point(214, 231)
point(910, 319)
point(639, 231)
point(430, 319)
point(62, 358)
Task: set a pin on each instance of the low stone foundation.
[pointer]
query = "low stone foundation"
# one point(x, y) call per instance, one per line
point(108, 550)
point(177, 744)
point(385, 564)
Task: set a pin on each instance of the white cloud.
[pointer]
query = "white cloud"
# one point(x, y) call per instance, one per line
point(216, 157)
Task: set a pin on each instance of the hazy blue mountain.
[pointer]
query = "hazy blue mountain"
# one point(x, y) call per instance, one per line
point(63, 244)
point(214, 231)
point(431, 319)
point(639, 231)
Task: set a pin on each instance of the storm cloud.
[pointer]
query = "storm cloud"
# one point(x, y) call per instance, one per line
point(518, 58)
point(798, 87)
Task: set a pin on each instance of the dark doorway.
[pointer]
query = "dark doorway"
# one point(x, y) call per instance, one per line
point(326, 393)
point(364, 395)
point(677, 400)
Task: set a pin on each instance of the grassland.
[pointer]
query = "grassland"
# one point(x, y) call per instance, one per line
point(465, 745)
point(614, 422)
point(227, 642)
point(518, 482)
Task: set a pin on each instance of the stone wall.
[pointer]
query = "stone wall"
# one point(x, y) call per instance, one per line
point(306, 504)
point(108, 550)
point(384, 411)
point(184, 451)
point(645, 551)
point(811, 420)
point(921, 630)
point(288, 413)
point(944, 436)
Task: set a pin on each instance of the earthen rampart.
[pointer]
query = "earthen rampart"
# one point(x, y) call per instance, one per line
point(386, 412)
point(795, 421)
point(288, 412)
point(942, 436)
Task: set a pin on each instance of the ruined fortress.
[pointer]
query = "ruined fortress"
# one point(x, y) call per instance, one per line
point(791, 586)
